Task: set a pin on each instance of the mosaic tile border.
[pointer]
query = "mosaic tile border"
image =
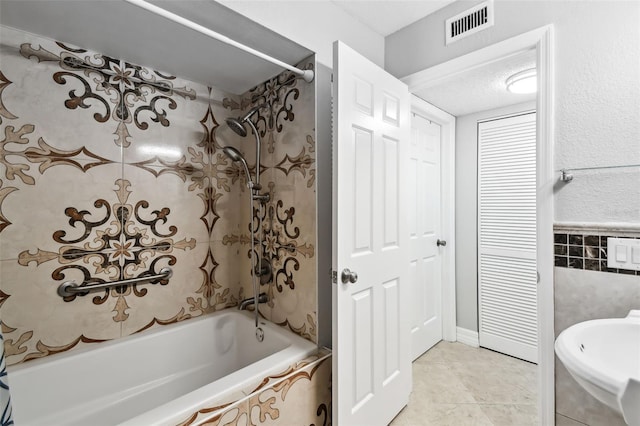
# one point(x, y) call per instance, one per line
point(584, 250)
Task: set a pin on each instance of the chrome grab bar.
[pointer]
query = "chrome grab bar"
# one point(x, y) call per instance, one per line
point(70, 288)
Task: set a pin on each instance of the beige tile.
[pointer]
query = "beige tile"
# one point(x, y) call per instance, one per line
point(512, 414)
point(293, 211)
point(37, 322)
point(35, 97)
point(229, 209)
point(232, 270)
point(275, 376)
point(489, 376)
point(438, 384)
point(235, 414)
point(163, 121)
point(566, 421)
point(458, 384)
point(294, 294)
point(448, 351)
point(150, 305)
point(162, 206)
point(304, 397)
point(66, 203)
point(441, 415)
point(496, 387)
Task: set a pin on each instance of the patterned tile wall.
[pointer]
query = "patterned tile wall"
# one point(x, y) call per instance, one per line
point(110, 170)
point(584, 250)
point(301, 395)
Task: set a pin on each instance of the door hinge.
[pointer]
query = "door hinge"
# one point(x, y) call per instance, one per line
point(334, 277)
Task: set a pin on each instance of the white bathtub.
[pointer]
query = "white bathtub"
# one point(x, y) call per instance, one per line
point(156, 377)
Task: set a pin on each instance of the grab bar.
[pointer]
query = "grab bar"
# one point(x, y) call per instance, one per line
point(70, 288)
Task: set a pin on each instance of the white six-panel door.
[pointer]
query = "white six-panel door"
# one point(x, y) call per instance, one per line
point(371, 328)
point(425, 266)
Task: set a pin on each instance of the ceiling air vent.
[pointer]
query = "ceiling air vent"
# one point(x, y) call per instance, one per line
point(470, 21)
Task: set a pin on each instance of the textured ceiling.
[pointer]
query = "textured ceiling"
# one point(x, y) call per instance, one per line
point(480, 89)
point(387, 17)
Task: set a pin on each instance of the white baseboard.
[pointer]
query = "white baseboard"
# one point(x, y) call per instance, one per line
point(467, 337)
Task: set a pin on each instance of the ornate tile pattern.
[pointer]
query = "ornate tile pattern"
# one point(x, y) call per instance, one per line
point(289, 218)
point(110, 170)
point(301, 394)
point(117, 90)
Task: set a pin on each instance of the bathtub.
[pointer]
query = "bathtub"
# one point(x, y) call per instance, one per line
point(157, 377)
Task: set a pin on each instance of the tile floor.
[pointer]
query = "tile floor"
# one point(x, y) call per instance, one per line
point(455, 384)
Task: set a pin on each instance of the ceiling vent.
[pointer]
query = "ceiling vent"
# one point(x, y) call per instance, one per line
point(470, 21)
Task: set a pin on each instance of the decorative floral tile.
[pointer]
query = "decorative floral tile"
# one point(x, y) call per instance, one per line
point(60, 214)
point(303, 397)
point(110, 170)
point(36, 322)
point(169, 301)
point(235, 415)
point(295, 297)
point(231, 279)
point(46, 91)
point(308, 382)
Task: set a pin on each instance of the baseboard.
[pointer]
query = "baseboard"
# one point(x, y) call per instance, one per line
point(467, 337)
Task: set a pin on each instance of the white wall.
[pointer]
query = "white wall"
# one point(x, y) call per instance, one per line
point(467, 211)
point(597, 101)
point(314, 25)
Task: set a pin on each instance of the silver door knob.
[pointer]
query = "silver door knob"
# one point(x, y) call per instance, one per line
point(441, 243)
point(348, 276)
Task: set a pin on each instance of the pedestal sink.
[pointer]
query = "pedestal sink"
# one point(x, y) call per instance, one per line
point(603, 356)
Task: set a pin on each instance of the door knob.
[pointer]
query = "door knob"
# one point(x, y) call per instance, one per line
point(441, 243)
point(348, 276)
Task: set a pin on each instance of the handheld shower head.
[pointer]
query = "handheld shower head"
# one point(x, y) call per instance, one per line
point(235, 156)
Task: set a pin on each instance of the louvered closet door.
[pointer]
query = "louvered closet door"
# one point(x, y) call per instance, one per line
point(507, 236)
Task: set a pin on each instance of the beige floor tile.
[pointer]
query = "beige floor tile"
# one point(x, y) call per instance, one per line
point(442, 415)
point(566, 421)
point(437, 383)
point(511, 414)
point(495, 386)
point(456, 384)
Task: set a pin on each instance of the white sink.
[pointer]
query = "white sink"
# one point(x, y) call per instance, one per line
point(603, 356)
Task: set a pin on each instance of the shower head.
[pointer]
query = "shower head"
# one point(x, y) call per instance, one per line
point(237, 124)
point(236, 157)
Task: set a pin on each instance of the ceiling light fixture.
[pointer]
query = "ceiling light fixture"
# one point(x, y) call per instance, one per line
point(523, 82)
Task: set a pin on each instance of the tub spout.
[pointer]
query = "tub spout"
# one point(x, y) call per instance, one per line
point(262, 298)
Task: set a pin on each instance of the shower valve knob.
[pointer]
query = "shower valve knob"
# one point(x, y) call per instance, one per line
point(348, 276)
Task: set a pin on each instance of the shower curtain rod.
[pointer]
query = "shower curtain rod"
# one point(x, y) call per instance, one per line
point(307, 75)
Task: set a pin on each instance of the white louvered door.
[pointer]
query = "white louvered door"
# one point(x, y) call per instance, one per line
point(507, 295)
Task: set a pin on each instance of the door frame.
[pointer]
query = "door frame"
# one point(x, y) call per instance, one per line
point(540, 39)
point(447, 208)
